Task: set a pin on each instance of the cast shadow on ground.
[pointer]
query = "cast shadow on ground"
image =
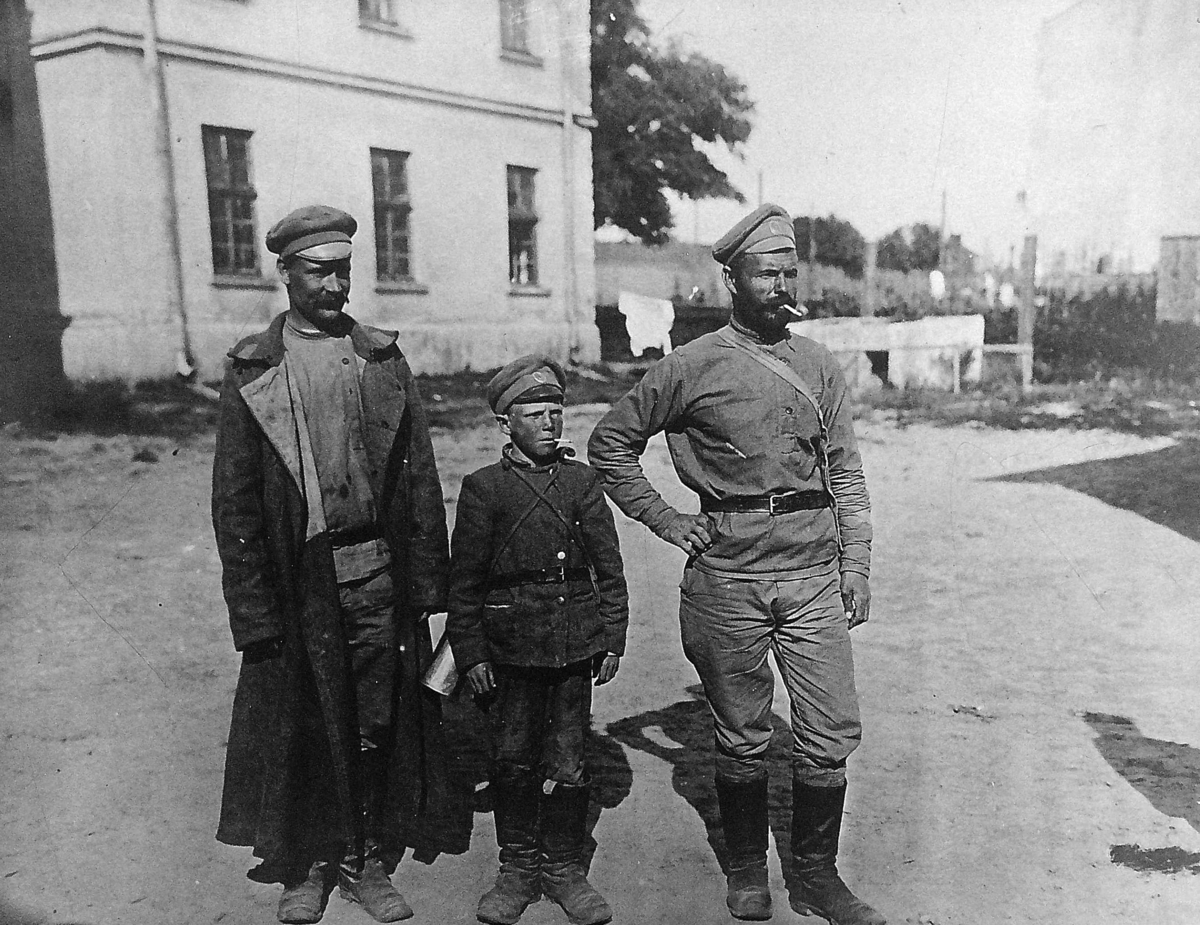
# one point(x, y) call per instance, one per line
point(682, 735)
point(1163, 486)
point(1165, 773)
point(466, 728)
point(13, 915)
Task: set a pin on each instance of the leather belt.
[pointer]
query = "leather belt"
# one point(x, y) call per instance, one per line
point(785, 503)
point(341, 538)
point(543, 576)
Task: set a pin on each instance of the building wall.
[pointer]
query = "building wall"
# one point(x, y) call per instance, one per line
point(1178, 293)
point(1117, 139)
point(318, 91)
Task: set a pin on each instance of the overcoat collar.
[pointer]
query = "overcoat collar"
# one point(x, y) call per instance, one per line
point(266, 349)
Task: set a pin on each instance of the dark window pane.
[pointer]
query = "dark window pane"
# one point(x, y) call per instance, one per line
point(230, 200)
point(389, 177)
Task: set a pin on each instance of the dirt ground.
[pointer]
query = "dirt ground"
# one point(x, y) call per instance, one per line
point(1028, 683)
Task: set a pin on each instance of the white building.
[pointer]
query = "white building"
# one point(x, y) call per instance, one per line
point(1117, 141)
point(456, 132)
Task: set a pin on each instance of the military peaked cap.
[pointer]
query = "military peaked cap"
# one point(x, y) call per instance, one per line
point(313, 232)
point(768, 228)
point(527, 379)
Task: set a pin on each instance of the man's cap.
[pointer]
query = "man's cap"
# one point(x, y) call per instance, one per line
point(318, 233)
point(527, 379)
point(765, 230)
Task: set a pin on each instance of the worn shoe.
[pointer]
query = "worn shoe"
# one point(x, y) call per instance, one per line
point(305, 901)
point(566, 885)
point(504, 903)
point(824, 894)
point(749, 896)
point(372, 889)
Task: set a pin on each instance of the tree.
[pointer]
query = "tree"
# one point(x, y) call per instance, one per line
point(926, 247)
point(912, 247)
point(653, 105)
point(894, 253)
point(834, 243)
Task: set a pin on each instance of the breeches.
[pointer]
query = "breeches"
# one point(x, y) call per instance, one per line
point(541, 721)
point(728, 626)
point(368, 615)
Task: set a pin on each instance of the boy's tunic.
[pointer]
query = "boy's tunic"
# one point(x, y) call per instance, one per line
point(520, 588)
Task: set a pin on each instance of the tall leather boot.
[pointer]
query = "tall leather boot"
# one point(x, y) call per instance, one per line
point(816, 827)
point(743, 806)
point(361, 875)
point(563, 840)
point(515, 802)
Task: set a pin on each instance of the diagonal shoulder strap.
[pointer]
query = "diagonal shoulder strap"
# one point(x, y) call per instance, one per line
point(779, 368)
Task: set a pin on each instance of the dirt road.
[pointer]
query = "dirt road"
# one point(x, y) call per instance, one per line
point(1028, 684)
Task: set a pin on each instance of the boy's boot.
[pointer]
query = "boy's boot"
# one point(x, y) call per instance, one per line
point(515, 805)
point(743, 805)
point(563, 838)
point(304, 902)
point(361, 876)
point(363, 880)
point(816, 826)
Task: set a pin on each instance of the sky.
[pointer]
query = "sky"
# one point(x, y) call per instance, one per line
point(870, 109)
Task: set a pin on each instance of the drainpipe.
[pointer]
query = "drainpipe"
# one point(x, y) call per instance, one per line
point(185, 361)
point(570, 274)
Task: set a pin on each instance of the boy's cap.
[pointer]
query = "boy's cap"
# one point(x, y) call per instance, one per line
point(317, 233)
point(527, 379)
point(765, 230)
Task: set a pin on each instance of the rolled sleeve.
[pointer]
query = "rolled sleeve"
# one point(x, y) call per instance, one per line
point(619, 440)
point(846, 480)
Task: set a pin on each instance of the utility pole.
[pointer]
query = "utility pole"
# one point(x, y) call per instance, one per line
point(871, 293)
point(1025, 310)
point(567, 153)
point(168, 206)
point(942, 234)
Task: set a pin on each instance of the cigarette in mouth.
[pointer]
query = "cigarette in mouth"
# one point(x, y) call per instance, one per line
point(799, 312)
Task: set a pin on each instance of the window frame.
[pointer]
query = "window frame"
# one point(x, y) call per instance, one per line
point(392, 205)
point(369, 12)
point(515, 33)
point(522, 225)
point(223, 188)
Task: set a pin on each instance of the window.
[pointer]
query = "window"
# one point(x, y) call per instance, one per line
point(522, 227)
point(378, 11)
point(393, 242)
point(230, 201)
point(514, 25)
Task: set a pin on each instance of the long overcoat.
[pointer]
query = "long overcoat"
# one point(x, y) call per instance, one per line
point(291, 766)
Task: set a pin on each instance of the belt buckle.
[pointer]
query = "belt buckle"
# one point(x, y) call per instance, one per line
point(771, 500)
point(556, 574)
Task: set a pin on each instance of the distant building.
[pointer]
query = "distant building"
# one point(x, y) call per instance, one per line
point(1117, 140)
point(456, 132)
point(674, 270)
point(1178, 295)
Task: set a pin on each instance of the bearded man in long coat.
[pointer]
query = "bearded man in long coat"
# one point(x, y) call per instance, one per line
point(332, 535)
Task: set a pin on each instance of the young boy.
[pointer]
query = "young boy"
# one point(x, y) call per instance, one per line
point(538, 611)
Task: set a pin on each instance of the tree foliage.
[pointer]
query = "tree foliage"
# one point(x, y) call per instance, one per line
point(653, 106)
point(917, 247)
point(832, 242)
